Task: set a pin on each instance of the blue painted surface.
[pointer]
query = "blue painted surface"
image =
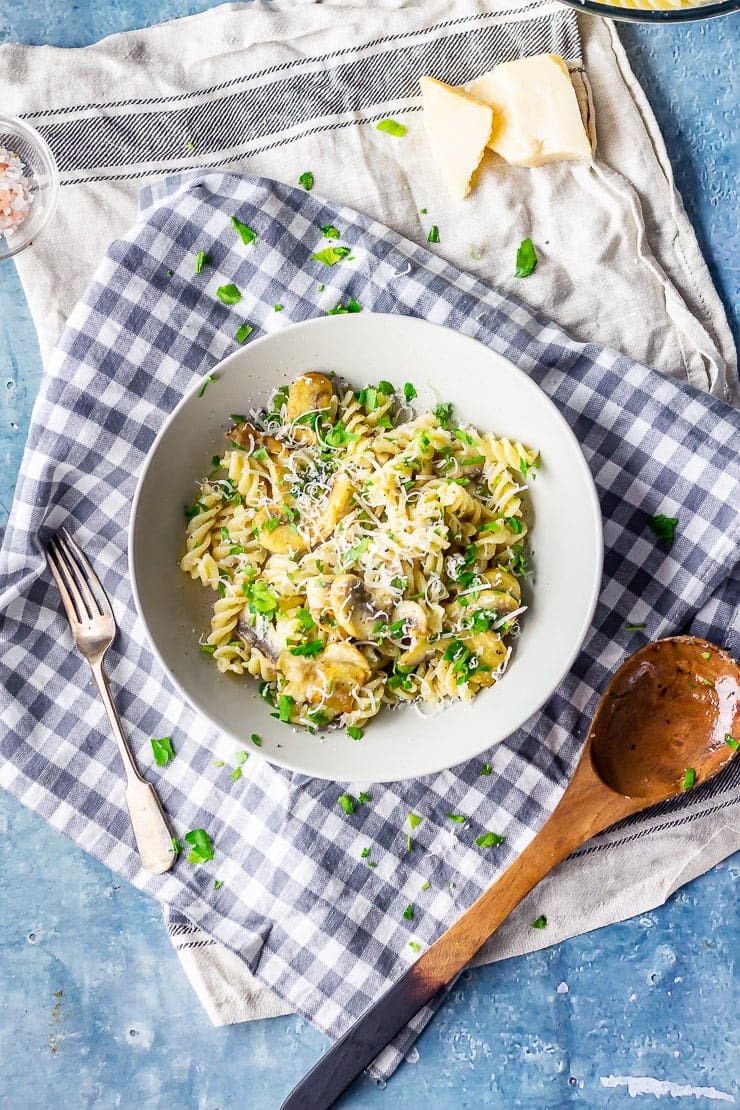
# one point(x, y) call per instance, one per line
point(94, 1009)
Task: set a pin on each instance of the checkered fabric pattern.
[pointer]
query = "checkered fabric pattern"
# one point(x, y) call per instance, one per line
point(314, 922)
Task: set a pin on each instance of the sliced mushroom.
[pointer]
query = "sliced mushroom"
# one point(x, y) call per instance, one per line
point(318, 597)
point(501, 579)
point(328, 680)
point(338, 503)
point(262, 635)
point(353, 606)
point(312, 392)
point(490, 651)
point(282, 538)
point(415, 629)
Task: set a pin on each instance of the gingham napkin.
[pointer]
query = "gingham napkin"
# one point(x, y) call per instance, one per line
point(299, 905)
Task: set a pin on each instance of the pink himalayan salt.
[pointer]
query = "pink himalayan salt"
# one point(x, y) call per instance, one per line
point(15, 191)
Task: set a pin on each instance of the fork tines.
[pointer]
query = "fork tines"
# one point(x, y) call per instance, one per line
point(76, 579)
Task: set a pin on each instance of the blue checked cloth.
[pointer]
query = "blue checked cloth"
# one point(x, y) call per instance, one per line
point(298, 904)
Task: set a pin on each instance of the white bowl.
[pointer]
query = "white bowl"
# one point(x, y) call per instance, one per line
point(487, 391)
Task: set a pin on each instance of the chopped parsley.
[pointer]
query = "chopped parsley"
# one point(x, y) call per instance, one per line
point(489, 840)
point(202, 259)
point(364, 853)
point(392, 127)
point(246, 233)
point(285, 706)
point(689, 778)
point(308, 650)
point(347, 802)
point(228, 294)
point(664, 528)
point(486, 769)
point(306, 180)
point(236, 774)
point(526, 258)
point(433, 236)
point(278, 307)
point(256, 740)
point(425, 886)
point(243, 333)
point(458, 818)
point(731, 741)
point(706, 655)
point(415, 820)
point(163, 750)
point(353, 554)
point(540, 922)
point(514, 524)
point(206, 382)
point(414, 946)
point(443, 412)
point(364, 798)
point(260, 597)
point(409, 393)
point(635, 627)
point(217, 884)
point(305, 619)
point(341, 309)
point(176, 846)
point(331, 255)
point(354, 733)
point(201, 846)
point(330, 232)
point(408, 913)
point(386, 388)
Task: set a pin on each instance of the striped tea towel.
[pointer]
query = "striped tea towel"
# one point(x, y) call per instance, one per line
point(299, 905)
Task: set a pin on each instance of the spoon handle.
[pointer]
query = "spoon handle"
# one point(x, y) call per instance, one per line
point(587, 807)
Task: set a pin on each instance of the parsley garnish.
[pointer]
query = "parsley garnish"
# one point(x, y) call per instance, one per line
point(408, 913)
point(433, 236)
point(309, 650)
point(330, 232)
point(278, 307)
point(409, 392)
point(540, 922)
point(664, 528)
point(341, 309)
point(486, 769)
point(392, 127)
point(243, 333)
point(364, 798)
point(201, 846)
point(256, 740)
point(635, 627)
point(285, 705)
point(236, 774)
point(260, 597)
point(385, 388)
point(206, 382)
point(458, 818)
point(305, 619)
point(246, 233)
point(443, 412)
point(201, 259)
point(347, 802)
point(414, 946)
point(331, 255)
point(526, 258)
point(689, 778)
point(163, 750)
point(731, 741)
point(415, 820)
point(353, 554)
point(425, 886)
point(228, 294)
point(354, 733)
point(489, 840)
point(176, 846)
point(306, 180)
point(217, 884)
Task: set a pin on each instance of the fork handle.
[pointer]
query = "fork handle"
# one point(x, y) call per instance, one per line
point(148, 820)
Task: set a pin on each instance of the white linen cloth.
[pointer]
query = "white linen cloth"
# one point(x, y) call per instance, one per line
point(619, 264)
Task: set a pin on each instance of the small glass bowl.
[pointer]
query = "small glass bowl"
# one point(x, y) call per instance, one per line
point(43, 175)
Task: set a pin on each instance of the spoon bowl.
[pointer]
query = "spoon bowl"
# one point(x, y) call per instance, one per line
point(665, 714)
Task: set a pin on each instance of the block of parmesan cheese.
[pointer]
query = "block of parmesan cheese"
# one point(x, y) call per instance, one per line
point(536, 118)
point(459, 128)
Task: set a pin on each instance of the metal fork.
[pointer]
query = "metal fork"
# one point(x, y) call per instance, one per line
point(94, 629)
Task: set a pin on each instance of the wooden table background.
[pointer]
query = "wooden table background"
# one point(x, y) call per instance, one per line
point(94, 1010)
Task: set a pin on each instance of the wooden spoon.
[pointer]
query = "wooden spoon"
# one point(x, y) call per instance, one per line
point(667, 720)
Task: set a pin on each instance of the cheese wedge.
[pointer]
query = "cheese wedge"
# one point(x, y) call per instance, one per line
point(536, 118)
point(459, 128)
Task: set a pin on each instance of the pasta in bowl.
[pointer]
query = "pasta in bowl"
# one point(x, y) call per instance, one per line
point(288, 561)
point(361, 555)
